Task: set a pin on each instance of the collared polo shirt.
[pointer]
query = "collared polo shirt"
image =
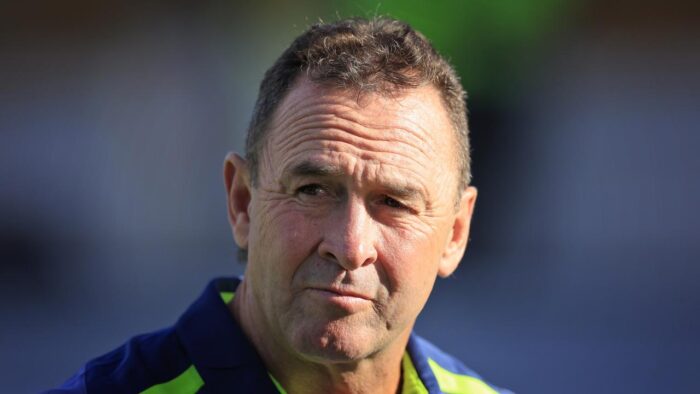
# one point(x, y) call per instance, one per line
point(206, 351)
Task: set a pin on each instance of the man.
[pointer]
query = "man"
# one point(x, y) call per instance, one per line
point(352, 198)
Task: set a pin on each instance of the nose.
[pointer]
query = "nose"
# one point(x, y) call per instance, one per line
point(350, 236)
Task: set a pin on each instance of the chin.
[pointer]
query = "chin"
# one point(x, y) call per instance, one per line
point(334, 343)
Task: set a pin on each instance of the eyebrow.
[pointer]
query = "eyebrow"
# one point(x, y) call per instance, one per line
point(309, 168)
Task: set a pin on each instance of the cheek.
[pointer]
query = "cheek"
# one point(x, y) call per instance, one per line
point(412, 278)
point(411, 262)
point(280, 236)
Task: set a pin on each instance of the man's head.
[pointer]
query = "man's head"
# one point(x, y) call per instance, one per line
point(346, 202)
point(381, 56)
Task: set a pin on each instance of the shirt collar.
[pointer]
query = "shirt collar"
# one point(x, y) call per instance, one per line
point(209, 332)
point(420, 362)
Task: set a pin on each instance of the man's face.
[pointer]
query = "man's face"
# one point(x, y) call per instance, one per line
point(352, 219)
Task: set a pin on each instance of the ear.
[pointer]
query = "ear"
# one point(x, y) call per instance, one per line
point(459, 234)
point(237, 182)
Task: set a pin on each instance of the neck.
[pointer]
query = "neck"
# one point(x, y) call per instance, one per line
point(379, 373)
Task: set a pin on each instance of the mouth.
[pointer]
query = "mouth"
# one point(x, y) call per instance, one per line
point(342, 292)
point(345, 299)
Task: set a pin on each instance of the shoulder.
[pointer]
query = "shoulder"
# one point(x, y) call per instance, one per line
point(204, 341)
point(446, 371)
point(140, 363)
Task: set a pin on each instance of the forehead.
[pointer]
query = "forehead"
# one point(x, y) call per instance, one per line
point(408, 130)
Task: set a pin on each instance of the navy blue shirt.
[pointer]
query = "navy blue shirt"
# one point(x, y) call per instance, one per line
point(206, 351)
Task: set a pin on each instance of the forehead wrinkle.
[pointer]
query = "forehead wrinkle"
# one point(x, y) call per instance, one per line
point(369, 154)
point(333, 138)
point(362, 126)
point(393, 134)
point(290, 111)
point(346, 114)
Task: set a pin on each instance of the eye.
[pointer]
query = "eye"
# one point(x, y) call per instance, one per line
point(392, 203)
point(313, 189)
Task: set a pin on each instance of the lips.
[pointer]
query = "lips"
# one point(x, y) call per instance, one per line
point(347, 293)
point(342, 292)
point(347, 301)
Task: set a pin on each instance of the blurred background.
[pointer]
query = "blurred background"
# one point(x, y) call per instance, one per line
point(582, 274)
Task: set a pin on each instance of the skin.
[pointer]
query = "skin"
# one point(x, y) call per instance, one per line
point(355, 213)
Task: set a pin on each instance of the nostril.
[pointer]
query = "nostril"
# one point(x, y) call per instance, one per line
point(328, 255)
